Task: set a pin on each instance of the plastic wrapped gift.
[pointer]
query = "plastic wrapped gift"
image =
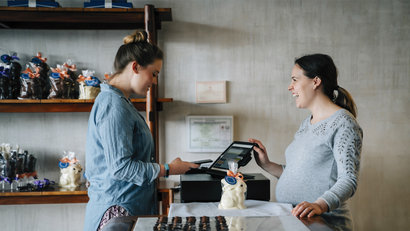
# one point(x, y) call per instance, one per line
point(89, 85)
point(39, 63)
point(57, 76)
point(34, 3)
point(64, 82)
point(4, 80)
point(17, 168)
point(72, 87)
point(30, 84)
point(9, 76)
point(107, 4)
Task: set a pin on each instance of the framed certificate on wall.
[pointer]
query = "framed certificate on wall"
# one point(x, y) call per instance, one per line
point(211, 92)
point(209, 133)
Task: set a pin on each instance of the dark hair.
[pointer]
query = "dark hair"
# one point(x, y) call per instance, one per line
point(323, 67)
point(136, 48)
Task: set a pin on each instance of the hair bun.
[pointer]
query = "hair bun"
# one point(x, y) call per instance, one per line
point(137, 36)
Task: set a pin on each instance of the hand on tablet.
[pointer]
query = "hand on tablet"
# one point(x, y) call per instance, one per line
point(261, 156)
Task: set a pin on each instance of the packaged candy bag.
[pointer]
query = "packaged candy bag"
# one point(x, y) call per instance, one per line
point(2, 170)
point(72, 87)
point(68, 88)
point(4, 81)
point(12, 71)
point(26, 79)
point(42, 84)
point(63, 82)
point(57, 77)
point(89, 85)
point(14, 86)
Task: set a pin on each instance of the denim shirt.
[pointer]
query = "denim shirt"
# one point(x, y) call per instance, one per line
point(119, 159)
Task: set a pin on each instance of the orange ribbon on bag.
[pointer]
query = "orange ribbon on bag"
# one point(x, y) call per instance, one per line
point(66, 160)
point(41, 58)
point(82, 78)
point(72, 67)
point(32, 74)
point(63, 73)
point(238, 175)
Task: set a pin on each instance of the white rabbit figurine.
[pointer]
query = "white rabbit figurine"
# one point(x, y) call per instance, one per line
point(233, 193)
point(70, 169)
point(70, 176)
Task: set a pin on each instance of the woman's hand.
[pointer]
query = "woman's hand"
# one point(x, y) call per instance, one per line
point(261, 156)
point(310, 209)
point(262, 159)
point(177, 166)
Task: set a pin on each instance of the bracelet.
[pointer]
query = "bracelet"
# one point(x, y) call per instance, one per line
point(166, 166)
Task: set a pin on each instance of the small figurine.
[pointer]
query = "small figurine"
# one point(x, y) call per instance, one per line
point(70, 169)
point(233, 195)
point(233, 190)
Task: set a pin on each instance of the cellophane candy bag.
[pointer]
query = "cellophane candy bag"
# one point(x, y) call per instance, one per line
point(42, 84)
point(89, 85)
point(9, 76)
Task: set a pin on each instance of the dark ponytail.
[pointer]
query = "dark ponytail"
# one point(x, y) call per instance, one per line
point(323, 67)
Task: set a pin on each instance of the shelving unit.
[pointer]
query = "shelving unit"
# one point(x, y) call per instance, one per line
point(148, 18)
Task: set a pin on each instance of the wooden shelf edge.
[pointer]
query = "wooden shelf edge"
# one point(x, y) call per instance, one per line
point(78, 9)
point(64, 105)
point(61, 197)
point(70, 101)
point(78, 18)
point(42, 193)
point(47, 199)
point(44, 197)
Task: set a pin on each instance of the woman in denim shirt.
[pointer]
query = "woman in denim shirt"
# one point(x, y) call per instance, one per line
point(120, 150)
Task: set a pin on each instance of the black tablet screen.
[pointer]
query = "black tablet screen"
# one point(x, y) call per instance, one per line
point(235, 152)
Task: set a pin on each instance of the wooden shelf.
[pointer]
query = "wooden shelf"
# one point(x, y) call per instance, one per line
point(78, 18)
point(59, 196)
point(64, 105)
point(56, 196)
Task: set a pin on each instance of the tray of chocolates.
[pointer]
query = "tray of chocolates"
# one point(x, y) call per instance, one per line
point(219, 223)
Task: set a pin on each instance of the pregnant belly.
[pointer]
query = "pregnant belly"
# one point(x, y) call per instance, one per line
point(295, 189)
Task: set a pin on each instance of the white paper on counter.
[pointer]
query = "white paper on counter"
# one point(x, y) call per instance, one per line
point(254, 208)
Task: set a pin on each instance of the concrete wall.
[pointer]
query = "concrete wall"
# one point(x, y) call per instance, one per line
point(252, 45)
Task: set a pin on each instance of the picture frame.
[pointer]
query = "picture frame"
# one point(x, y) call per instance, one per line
point(211, 92)
point(209, 133)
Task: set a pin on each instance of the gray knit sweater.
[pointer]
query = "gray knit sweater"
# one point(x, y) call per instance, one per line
point(323, 162)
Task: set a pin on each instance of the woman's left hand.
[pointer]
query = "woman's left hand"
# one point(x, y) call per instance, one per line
point(309, 209)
